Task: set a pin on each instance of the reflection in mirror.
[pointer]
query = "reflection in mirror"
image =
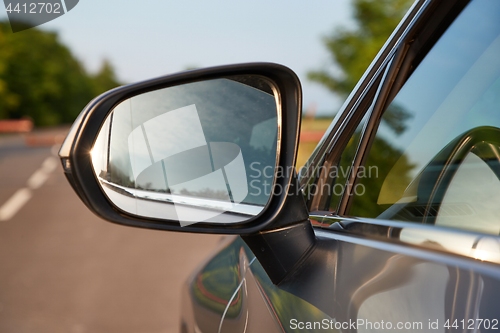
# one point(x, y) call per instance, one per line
point(199, 152)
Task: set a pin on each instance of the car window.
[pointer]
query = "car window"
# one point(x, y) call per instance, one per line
point(436, 148)
point(473, 193)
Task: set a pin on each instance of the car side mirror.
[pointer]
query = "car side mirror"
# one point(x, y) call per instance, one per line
point(210, 150)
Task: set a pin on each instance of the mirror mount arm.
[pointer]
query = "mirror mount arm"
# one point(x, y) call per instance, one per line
point(281, 247)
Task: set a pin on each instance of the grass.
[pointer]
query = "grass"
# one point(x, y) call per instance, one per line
point(306, 148)
point(316, 124)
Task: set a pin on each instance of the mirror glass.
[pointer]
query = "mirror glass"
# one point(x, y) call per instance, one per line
point(198, 152)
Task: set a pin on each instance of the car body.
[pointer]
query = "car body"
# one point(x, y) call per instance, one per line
point(393, 223)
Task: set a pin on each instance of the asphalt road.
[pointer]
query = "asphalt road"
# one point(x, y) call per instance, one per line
point(62, 269)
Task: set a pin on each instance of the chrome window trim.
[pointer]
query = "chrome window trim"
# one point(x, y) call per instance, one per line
point(352, 230)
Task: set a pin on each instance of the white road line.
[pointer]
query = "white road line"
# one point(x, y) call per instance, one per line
point(49, 164)
point(16, 202)
point(21, 197)
point(37, 179)
point(42, 174)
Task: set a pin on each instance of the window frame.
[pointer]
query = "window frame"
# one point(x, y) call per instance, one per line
point(417, 33)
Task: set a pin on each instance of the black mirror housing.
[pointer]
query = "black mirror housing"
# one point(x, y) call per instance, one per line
point(78, 166)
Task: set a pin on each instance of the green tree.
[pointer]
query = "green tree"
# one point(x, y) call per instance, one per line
point(105, 79)
point(41, 79)
point(352, 50)
point(8, 100)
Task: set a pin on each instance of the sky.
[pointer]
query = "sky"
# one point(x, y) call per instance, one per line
point(151, 38)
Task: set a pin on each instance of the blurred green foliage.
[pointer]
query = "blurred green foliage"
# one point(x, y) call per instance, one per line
point(352, 50)
point(41, 79)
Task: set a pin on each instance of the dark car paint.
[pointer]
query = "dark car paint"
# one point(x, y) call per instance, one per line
point(257, 304)
point(358, 268)
point(348, 276)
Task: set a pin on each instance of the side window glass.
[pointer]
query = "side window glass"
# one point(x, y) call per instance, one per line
point(437, 146)
point(473, 193)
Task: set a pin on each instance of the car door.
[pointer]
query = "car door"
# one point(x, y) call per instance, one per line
point(416, 223)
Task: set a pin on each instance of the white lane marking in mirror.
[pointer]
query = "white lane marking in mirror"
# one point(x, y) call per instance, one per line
point(23, 195)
